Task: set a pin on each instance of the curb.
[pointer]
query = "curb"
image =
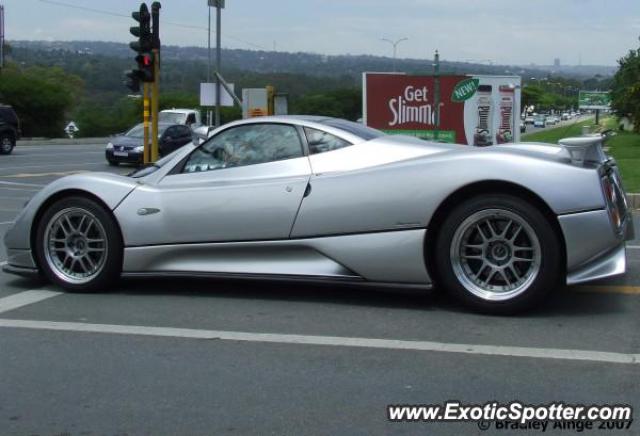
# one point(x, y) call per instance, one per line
point(62, 141)
point(634, 200)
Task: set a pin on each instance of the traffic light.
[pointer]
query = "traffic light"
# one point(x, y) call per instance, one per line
point(143, 47)
point(142, 31)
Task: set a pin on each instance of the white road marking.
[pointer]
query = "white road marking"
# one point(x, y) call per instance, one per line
point(633, 247)
point(4, 262)
point(387, 344)
point(25, 298)
point(4, 182)
point(4, 223)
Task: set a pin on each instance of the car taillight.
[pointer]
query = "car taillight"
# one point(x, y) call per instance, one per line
point(615, 200)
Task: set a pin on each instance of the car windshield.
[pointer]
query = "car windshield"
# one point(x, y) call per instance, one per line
point(172, 117)
point(152, 168)
point(138, 131)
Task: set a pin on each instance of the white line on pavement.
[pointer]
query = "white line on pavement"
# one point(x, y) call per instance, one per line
point(25, 298)
point(3, 223)
point(388, 344)
point(633, 247)
point(3, 182)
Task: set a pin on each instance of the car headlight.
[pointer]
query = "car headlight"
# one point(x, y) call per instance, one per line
point(110, 146)
point(139, 149)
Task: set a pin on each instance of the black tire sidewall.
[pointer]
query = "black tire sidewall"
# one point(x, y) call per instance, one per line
point(549, 275)
point(113, 264)
point(4, 136)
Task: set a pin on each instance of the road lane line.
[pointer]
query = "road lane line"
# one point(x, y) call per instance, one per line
point(611, 289)
point(25, 298)
point(4, 182)
point(633, 247)
point(4, 223)
point(333, 341)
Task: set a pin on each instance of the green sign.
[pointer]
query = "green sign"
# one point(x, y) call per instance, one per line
point(430, 135)
point(594, 100)
point(464, 90)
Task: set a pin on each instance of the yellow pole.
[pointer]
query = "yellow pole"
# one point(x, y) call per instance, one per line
point(155, 102)
point(145, 120)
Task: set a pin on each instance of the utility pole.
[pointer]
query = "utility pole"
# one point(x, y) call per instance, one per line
point(219, 6)
point(209, 112)
point(395, 48)
point(1, 36)
point(436, 70)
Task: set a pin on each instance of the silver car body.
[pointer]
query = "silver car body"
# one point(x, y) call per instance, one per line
point(361, 213)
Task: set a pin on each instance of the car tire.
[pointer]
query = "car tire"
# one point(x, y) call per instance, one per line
point(7, 143)
point(113, 163)
point(497, 254)
point(78, 245)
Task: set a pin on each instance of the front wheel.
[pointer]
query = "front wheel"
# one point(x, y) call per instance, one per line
point(498, 254)
point(6, 144)
point(78, 245)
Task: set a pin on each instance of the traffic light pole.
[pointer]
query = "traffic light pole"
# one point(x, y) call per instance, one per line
point(155, 103)
point(145, 100)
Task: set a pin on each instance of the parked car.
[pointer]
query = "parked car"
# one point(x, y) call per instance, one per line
point(540, 121)
point(9, 129)
point(325, 199)
point(565, 116)
point(128, 148)
point(529, 119)
point(188, 117)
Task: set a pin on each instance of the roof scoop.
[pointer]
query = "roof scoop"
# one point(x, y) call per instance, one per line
point(586, 149)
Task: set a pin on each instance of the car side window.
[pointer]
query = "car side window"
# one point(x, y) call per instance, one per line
point(246, 145)
point(184, 131)
point(321, 142)
point(171, 131)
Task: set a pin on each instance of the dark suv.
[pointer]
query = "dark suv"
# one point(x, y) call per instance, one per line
point(9, 129)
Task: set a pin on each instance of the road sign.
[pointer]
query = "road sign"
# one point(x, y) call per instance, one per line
point(594, 100)
point(208, 95)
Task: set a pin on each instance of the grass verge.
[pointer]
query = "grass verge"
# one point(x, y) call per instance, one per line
point(624, 147)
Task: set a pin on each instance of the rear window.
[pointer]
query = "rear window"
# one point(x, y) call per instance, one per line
point(8, 115)
point(357, 129)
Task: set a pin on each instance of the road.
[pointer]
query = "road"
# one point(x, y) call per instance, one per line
point(205, 357)
point(532, 129)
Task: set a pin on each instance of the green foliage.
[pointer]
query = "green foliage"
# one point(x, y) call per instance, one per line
point(40, 97)
point(625, 92)
point(341, 103)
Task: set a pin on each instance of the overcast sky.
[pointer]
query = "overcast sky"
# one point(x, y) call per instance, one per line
point(501, 31)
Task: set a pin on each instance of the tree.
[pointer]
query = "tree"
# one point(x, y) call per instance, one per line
point(625, 92)
point(41, 98)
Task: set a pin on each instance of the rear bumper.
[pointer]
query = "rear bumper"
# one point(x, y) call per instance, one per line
point(594, 250)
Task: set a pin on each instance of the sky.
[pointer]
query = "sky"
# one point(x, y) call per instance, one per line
point(595, 32)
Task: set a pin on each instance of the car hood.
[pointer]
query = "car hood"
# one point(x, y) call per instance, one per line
point(126, 140)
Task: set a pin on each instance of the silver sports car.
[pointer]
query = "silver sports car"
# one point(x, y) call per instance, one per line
point(325, 199)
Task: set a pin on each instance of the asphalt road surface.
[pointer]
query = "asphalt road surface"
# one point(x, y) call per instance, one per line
point(209, 357)
point(582, 119)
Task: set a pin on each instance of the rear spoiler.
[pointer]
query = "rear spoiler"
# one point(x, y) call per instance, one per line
point(587, 149)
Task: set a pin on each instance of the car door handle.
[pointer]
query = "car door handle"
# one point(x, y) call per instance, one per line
point(307, 190)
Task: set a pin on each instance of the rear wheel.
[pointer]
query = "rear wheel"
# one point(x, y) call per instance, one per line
point(6, 143)
point(78, 245)
point(498, 254)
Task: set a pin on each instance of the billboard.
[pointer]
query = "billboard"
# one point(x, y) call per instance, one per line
point(475, 110)
point(594, 100)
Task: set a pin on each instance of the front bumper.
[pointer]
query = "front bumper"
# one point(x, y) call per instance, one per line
point(20, 262)
point(132, 157)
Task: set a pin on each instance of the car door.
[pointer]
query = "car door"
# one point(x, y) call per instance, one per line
point(244, 184)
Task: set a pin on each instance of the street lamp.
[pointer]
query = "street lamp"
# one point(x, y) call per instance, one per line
point(395, 48)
